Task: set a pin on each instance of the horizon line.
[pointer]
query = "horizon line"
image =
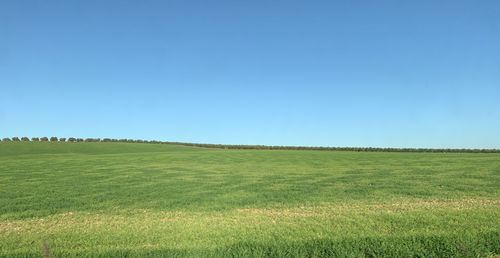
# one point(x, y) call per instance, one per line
point(54, 139)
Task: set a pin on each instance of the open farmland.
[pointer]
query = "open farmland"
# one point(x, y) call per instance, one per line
point(133, 199)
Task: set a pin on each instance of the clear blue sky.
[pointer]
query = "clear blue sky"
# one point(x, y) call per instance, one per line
point(330, 73)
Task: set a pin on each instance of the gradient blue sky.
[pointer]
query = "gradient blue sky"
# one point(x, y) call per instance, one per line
point(330, 73)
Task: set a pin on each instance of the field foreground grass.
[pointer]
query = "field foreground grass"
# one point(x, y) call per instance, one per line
point(136, 200)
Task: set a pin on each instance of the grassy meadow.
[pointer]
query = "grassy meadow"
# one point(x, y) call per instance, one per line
point(163, 200)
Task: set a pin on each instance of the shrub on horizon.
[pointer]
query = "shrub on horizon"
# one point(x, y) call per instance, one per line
point(44, 139)
point(71, 139)
point(25, 139)
point(6, 139)
point(35, 139)
point(15, 139)
point(62, 139)
point(53, 139)
point(79, 140)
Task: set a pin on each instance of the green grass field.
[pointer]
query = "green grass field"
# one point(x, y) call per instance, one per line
point(136, 200)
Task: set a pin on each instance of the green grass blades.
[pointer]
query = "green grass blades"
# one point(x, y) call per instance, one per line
point(164, 200)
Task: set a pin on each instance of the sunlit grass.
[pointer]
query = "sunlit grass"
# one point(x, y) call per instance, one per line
point(117, 199)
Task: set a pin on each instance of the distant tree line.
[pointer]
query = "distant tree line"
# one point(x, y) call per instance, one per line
point(356, 149)
point(248, 147)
